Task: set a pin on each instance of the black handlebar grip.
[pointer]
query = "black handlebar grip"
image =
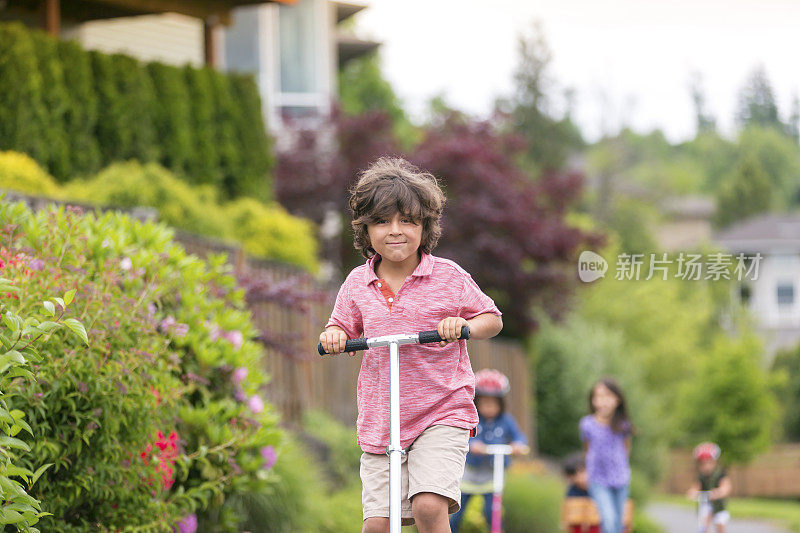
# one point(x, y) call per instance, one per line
point(353, 345)
point(428, 337)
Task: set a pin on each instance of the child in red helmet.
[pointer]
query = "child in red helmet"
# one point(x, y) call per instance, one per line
point(495, 426)
point(712, 487)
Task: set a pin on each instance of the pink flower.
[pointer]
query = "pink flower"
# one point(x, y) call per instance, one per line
point(239, 375)
point(125, 263)
point(269, 456)
point(235, 337)
point(256, 404)
point(186, 525)
point(239, 395)
point(214, 332)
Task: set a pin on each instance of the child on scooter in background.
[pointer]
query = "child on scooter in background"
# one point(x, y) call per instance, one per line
point(495, 426)
point(713, 481)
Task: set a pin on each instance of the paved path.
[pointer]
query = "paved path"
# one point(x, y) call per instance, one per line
point(682, 519)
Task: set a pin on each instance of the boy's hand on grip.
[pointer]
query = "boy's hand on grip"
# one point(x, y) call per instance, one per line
point(450, 329)
point(333, 341)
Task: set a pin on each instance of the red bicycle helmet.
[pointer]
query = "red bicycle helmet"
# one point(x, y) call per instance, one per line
point(706, 450)
point(489, 382)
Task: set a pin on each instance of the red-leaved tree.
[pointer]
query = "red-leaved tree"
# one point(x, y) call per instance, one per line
point(503, 226)
point(507, 229)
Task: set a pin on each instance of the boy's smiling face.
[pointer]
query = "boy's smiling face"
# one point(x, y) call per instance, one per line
point(396, 239)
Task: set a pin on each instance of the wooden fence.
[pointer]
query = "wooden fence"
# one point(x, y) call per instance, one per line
point(772, 474)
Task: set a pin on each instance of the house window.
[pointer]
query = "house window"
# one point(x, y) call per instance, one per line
point(785, 294)
point(745, 292)
point(297, 43)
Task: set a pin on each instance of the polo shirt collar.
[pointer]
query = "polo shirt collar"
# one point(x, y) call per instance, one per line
point(424, 268)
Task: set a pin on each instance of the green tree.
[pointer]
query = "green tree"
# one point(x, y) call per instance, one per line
point(730, 400)
point(756, 103)
point(748, 192)
point(703, 119)
point(23, 115)
point(172, 117)
point(550, 139)
point(56, 101)
point(779, 156)
point(204, 167)
point(363, 88)
point(252, 138)
point(80, 115)
point(786, 369)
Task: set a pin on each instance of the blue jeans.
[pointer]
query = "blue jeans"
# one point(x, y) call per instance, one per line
point(610, 502)
point(455, 518)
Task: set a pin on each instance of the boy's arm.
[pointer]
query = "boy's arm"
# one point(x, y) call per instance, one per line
point(484, 326)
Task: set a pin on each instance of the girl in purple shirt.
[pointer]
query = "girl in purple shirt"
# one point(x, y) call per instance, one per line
point(606, 435)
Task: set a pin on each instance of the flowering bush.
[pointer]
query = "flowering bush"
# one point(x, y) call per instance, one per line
point(143, 426)
point(19, 338)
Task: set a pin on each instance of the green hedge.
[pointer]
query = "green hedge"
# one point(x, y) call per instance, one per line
point(74, 111)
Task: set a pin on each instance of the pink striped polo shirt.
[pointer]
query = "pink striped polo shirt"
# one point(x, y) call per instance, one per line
point(436, 384)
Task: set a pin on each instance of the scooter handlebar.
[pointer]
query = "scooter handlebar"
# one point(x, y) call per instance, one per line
point(425, 337)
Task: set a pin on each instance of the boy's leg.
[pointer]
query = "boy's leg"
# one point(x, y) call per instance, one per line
point(455, 519)
point(721, 520)
point(430, 512)
point(375, 492)
point(375, 525)
point(435, 468)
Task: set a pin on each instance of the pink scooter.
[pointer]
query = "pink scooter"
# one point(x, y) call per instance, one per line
point(499, 451)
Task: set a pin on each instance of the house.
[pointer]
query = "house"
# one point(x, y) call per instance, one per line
point(295, 52)
point(293, 47)
point(685, 223)
point(772, 297)
point(173, 31)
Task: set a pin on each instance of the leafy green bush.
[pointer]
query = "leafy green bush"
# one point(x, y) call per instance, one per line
point(160, 415)
point(342, 456)
point(270, 231)
point(19, 172)
point(532, 503)
point(20, 338)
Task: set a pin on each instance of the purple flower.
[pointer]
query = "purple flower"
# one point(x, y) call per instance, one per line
point(269, 456)
point(187, 525)
point(167, 323)
point(83, 387)
point(235, 337)
point(151, 309)
point(256, 404)
point(213, 332)
point(239, 395)
point(180, 330)
point(36, 264)
point(239, 375)
point(125, 263)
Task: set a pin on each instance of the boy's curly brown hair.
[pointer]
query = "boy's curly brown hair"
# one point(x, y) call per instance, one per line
point(393, 185)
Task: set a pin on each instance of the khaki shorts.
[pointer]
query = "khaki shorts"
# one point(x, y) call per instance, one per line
point(433, 463)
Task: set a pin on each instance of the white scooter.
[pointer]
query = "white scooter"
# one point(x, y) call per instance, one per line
point(394, 450)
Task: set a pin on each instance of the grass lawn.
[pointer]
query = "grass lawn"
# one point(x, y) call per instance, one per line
point(786, 512)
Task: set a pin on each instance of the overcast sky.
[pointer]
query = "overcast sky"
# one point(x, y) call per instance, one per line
point(626, 59)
